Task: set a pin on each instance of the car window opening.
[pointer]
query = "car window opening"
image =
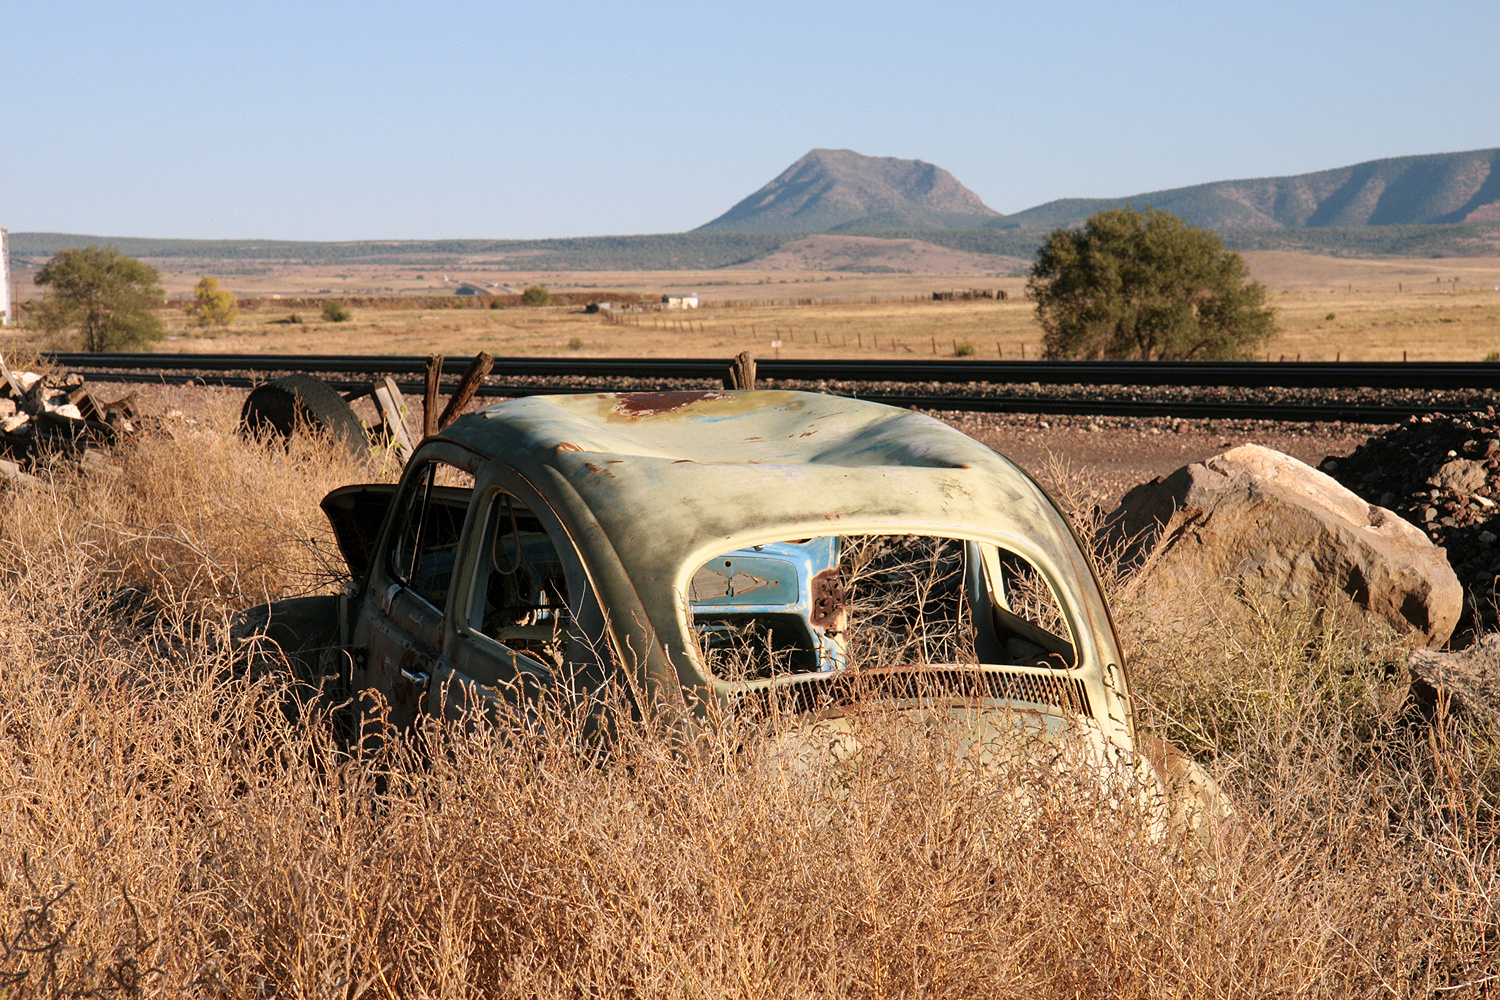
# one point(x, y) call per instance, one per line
point(522, 600)
point(430, 524)
point(833, 603)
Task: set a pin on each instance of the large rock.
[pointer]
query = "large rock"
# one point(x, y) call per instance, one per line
point(1268, 526)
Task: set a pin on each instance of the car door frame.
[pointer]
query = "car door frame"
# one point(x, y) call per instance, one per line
point(400, 635)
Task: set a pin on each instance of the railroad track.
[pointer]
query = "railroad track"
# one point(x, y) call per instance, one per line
point(1363, 392)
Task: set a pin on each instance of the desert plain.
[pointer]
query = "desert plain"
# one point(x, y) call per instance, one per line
point(1328, 308)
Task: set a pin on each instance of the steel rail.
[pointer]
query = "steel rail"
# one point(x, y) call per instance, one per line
point(1235, 374)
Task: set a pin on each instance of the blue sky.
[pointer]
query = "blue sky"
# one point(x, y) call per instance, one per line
point(402, 120)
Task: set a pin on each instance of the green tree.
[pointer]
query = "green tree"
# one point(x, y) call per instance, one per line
point(111, 298)
point(214, 306)
point(536, 295)
point(1133, 285)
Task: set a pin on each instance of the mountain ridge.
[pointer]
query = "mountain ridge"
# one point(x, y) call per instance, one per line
point(841, 191)
point(832, 190)
point(1426, 189)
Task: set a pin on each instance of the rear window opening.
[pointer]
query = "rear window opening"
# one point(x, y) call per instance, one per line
point(841, 602)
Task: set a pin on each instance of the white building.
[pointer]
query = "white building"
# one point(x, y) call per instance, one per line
point(689, 301)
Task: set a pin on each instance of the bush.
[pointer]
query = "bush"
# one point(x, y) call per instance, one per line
point(213, 306)
point(1129, 285)
point(111, 298)
point(335, 311)
point(536, 295)
point(964, 349)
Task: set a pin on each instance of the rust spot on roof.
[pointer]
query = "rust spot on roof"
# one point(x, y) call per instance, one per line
point(652, 404)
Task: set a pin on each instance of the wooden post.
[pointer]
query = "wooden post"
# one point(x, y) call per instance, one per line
point(391, 403)
point(430, 396)
point(467, 387)
point(741, 373)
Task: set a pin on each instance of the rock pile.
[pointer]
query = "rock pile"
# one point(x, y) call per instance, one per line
point(1442, 474)
point(41, 413)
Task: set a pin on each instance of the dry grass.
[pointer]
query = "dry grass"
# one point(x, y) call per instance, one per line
point(1363, 325)
point(167, 828)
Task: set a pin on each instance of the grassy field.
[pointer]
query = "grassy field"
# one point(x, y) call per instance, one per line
point(170, 829)
point(1327, 308)
point(1367, 325)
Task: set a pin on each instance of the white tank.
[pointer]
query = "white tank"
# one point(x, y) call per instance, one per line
point(4, 278)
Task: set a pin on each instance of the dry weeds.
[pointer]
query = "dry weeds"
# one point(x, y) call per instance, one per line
point(168, 829)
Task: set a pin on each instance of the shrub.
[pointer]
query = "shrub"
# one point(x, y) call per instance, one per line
point(536, 295)
point(964, 349)
point(213, 306)
point(110, 298)
point(1133, 285)
point(335, 311)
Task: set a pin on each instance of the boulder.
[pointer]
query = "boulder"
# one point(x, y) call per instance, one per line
point(1265, 525)
point(1460, 475)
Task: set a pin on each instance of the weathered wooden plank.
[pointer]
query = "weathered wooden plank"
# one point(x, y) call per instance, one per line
point(392, 405)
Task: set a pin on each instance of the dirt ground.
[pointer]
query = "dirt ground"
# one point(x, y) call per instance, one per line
point(1087, 462)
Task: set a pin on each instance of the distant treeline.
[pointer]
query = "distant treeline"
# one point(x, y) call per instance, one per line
point(450, 301)
point(711, 250)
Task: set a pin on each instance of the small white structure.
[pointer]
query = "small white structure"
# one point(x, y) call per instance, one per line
point(688, 301)
point(4, 278)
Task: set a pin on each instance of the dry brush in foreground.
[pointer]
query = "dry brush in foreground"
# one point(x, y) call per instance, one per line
point(169, 828)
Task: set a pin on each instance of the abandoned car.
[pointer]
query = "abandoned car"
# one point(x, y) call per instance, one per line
point(699, 547)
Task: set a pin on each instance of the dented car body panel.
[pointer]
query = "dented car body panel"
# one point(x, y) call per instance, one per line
point(649, 484)
point(694, 548)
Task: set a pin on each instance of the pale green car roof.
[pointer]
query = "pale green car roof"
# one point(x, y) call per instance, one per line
point(669, 474)
point(652, 485)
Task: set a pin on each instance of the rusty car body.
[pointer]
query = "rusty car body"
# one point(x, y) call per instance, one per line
point(694, 548)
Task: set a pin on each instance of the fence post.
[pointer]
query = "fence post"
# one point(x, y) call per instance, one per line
point(467, 387)
point(430, 395)
point(741, 373)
